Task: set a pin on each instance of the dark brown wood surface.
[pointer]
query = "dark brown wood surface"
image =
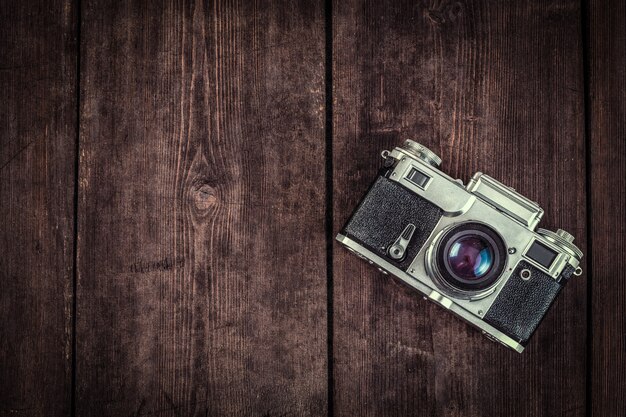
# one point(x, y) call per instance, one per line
point(206, 281)
point(607, 191)
point(201, 247)
point(489, 87)
point(37, 159)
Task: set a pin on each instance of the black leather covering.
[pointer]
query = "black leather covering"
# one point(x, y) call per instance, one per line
point(383, 214)
point(521, 305)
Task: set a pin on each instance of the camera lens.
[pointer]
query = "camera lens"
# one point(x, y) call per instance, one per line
point(471, 257)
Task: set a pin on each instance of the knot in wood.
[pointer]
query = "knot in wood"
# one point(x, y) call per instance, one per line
point(203, 196)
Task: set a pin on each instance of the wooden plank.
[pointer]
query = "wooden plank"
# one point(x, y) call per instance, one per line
point(489, 86)
point(38, 135)
point(607, 128)
point(201, 163)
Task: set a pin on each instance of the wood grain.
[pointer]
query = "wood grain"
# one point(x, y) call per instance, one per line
point(201, 241)
point(202, 287)
point(607, 128)
point(38, 136)
point(489, 86)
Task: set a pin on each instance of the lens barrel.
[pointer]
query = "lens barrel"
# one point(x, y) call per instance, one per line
point(470, 257)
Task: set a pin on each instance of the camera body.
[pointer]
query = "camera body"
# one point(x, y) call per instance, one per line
point(473, 249)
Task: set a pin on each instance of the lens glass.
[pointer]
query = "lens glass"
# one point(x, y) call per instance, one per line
point(470, 257)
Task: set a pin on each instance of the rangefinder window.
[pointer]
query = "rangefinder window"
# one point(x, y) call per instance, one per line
point(541, 254)
point(418, 178)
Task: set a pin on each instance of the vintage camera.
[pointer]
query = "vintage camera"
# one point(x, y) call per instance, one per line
point(472, 249)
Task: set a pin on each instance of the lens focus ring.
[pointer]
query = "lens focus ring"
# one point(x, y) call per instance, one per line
point(470, 257)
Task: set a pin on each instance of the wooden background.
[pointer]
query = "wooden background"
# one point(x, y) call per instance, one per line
point(172, 175)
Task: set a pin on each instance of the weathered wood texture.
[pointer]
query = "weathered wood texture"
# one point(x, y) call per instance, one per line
point(37, 154)
point(201, 257)
point(201, 244)
point(490, 86)
point(607, 128)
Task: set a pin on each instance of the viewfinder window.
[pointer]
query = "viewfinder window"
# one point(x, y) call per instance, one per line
point(418, 178)
point(541, 254)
